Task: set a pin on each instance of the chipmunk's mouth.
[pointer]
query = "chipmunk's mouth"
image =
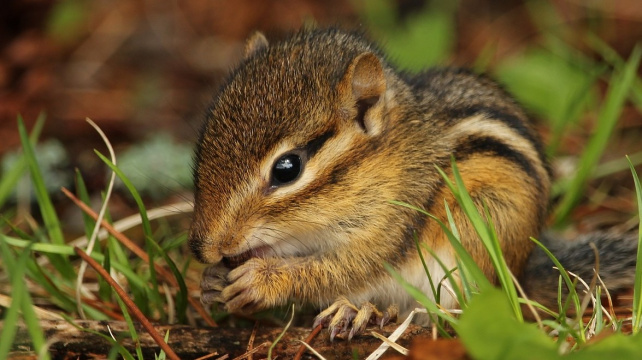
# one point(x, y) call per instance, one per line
point(235, 261)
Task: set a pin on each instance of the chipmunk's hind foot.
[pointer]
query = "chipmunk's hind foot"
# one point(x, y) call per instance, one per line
point(344, 319)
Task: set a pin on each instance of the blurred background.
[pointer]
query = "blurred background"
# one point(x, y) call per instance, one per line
point(145, 70)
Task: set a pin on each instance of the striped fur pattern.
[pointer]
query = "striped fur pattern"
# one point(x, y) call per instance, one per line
point(368, 134)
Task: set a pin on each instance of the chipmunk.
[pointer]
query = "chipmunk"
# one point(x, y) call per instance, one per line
point(307, 143)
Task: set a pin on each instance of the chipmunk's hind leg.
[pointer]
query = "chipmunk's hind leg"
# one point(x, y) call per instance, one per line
point(343, 318)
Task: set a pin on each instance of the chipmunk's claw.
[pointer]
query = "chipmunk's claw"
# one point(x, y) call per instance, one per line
point(344, 319)
point(389, 315)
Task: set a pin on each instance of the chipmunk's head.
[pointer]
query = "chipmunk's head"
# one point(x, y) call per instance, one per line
point(282, 165)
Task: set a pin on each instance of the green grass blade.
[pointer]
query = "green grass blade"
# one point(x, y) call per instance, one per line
point(620, 85)
point(433, 288)
point(83, 195)
point(125, 269)
point(21, 300)
point(46, 207)
point(486, 234)
point(598, 315)
point(280, 336)
point(50, 284)
point(31, 320)
point(9, 179)
point(162, 355)
point(418, 295)
point(49, 216)
point(147, 230)
point(637, 291)
point(130, 326)
point(572, 296)
point(116, 250)
point(464, 266)
point(448, 274)
point(476, 273)
point(181, 296)
point(104, 290)
point(12, 313)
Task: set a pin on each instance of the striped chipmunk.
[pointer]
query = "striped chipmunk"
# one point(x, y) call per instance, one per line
point(309, 140)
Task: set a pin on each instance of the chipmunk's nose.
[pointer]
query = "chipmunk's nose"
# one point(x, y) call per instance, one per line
point(205, 251)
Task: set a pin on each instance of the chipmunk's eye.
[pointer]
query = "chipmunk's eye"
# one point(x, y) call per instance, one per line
point(286, 169)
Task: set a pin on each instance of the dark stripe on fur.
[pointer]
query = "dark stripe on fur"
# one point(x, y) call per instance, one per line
point(488, 145)
point(313, 146)
point(511, 120)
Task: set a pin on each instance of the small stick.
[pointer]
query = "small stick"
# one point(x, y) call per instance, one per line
point(133, 309)
point(308, 340)
point(140, 253)
point(249, 353)
point(250, 342)
point(209, 356)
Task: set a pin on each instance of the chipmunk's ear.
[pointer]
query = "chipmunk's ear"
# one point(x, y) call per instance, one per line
point(255, 43)
point(362, 89)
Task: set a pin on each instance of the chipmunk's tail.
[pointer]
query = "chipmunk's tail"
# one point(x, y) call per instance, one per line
point(617, 260)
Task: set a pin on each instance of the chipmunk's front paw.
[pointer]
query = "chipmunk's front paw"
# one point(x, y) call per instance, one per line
point(343, 318)
point(256, 285)
point(213, 281)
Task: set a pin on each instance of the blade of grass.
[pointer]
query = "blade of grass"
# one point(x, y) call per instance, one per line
point(573, 296)
point(147, 230)
point(476, 273)
point(181, 296)
point(467, 281)
point(487, 235)
point(10, 178)
point(15, 271)
point(104, 290)
point(47, 211)
point(437, 293)
point(637, 290)
point(83, 195)
point(162, 354)
point(278, 338)
point(101, 214)
point(31, 320)
point(21, 301)
point(419, 295)
point(620, 85)
point(433, 288)
point(130, 326)
point(131, 276)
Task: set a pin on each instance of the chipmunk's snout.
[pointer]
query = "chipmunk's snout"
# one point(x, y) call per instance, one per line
point(203, 250)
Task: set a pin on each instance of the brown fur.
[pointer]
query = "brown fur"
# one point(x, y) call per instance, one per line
point(329, 233)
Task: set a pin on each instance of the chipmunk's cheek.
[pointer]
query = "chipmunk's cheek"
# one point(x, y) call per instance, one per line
point(256, 285)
